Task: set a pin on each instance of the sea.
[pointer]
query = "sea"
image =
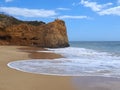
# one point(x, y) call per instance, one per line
point(82, 58)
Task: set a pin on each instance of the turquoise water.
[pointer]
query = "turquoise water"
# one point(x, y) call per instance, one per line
point(80, 59)
point(104, 46)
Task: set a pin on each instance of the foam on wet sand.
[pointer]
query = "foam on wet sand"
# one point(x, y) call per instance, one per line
point(11, 79)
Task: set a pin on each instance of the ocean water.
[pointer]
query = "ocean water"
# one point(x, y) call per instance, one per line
point(80, 59)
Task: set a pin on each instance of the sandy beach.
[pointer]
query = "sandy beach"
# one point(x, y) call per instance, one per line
point(11, 79)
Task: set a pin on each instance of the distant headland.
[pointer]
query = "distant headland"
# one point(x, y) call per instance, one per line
point(32, 33)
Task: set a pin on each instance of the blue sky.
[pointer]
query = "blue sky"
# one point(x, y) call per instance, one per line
point(86, 20)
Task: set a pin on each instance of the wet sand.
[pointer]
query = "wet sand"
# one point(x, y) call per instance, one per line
point(96, 83)
point(11, 79)
point(39, 55)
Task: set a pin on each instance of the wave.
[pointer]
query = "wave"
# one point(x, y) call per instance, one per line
point(77, 62)
point(81, 53)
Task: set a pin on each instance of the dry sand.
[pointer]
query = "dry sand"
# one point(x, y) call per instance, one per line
point(11, 79)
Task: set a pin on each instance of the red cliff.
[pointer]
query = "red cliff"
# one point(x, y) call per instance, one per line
point(32, 33)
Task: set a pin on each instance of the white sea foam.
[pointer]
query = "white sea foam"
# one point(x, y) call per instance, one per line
point(77, 62)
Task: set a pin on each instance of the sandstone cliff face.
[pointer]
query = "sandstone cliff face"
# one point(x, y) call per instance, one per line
point(32, 33)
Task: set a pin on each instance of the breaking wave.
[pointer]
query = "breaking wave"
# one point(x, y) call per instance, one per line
point(77, 62)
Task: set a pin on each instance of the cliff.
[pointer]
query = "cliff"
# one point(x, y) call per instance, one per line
point(32, 33)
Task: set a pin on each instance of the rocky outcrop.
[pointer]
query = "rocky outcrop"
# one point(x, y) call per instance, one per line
point(32, 33)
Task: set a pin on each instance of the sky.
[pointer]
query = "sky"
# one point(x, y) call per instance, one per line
point(86, 20)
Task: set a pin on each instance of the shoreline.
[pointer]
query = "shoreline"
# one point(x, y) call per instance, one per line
point(40, 55)
point(11, 79)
